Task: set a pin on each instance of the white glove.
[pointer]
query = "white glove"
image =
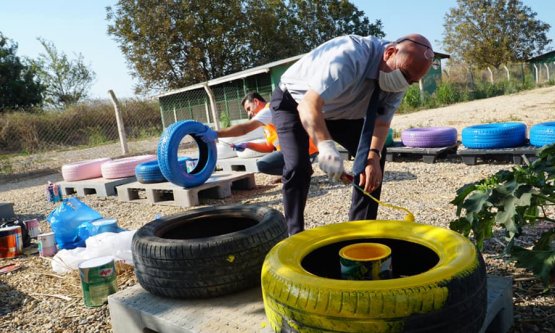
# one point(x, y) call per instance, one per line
point(329, 159)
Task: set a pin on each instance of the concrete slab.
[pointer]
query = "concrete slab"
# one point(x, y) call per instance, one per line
point(6, 210)
point(99, 186)
point(429, 155)
point(499, 317)
point(218, 186)
point(238, 164)
point(134, 310)
point(470, 156)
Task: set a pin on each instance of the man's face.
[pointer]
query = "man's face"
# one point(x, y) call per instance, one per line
point(252, 107)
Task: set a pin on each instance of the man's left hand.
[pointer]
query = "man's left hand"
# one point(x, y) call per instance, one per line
point(372, 176)
point(209, 135)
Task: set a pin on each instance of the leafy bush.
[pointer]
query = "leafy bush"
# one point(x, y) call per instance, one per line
point(447, 93)
point(412, 97)
point(512, 200)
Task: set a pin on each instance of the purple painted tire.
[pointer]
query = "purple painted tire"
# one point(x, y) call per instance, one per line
point(429, 137)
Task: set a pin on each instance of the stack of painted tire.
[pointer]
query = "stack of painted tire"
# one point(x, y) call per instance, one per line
point(494, 135)
point(82, 170)
point(429, 137)
point(438, 284)
point(168, 160)
point(542, 134)
point(206, 252)
point(123, 167)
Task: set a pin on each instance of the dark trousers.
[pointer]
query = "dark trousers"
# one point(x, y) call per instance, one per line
point(297, 170)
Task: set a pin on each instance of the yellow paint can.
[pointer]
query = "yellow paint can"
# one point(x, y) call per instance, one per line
point(365, 261)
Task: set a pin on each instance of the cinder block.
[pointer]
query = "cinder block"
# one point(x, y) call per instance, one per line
point(238, 164)
point(99, 186)
point(218, 186)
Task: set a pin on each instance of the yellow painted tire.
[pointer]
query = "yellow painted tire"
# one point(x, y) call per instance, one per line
point(439, 282)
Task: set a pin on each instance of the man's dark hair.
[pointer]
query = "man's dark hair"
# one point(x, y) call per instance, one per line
point(250, 96)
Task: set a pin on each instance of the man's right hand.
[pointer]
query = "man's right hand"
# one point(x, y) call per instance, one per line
point(329, 159)
point(240, 146)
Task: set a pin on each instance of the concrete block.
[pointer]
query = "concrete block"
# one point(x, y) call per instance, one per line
point(99, 186)
point(238, 164)
point(218, 186)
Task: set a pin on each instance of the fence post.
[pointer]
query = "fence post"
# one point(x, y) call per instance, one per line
point(537, 74)
point(508, 73)
point(490, 75)
point(119, 121)
point(547, 69)
point(213, 106)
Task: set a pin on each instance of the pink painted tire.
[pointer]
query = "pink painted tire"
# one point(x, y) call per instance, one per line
point(84, 169)
point(124, 167)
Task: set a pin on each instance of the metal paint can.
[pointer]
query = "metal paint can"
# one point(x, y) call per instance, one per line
point(47, 244)
point(33, 227)
point(365, 261)
point(11, 242)
point(98, 280)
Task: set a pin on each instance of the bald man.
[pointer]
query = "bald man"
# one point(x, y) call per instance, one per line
point(325, 95)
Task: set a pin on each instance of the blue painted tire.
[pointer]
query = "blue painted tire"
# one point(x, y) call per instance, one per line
point(149, 172)
point(167, 154)
point(429, 137)
point(542, 134)
point(495, 135)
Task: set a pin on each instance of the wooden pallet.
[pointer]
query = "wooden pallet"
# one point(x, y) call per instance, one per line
point(470, 156)
point(218, 186)
point(238, 164)
point(99, 186)
point(429, 155)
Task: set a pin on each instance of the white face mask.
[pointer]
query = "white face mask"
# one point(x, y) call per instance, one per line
point(393, 81)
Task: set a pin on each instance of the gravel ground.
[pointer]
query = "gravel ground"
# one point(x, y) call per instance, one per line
point(35, 299)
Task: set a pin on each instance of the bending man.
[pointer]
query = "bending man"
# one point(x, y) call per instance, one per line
point(325, 96)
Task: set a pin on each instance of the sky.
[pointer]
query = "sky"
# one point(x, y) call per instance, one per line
point(80, 27)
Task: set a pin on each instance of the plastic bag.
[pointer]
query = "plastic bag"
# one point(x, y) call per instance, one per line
point(65, 220)
point(101, 245)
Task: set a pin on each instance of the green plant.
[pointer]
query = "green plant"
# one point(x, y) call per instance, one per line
point(512, 200)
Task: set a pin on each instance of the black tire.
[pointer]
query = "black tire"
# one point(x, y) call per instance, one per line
point(206, 252)
point(438, 284)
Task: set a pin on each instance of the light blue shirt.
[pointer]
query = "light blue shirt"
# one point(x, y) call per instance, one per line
point(344, 72)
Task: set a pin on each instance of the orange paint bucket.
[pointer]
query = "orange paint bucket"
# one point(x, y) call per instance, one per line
point(11, 242)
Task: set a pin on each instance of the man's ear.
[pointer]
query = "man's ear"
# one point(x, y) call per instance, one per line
point(389, 51)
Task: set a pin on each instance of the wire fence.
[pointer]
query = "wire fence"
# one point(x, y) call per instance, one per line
point(93, 123)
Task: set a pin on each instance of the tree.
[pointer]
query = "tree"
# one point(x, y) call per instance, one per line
point(67, 81)
point(493, 32)
point(171, 44)
point(19, 84)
